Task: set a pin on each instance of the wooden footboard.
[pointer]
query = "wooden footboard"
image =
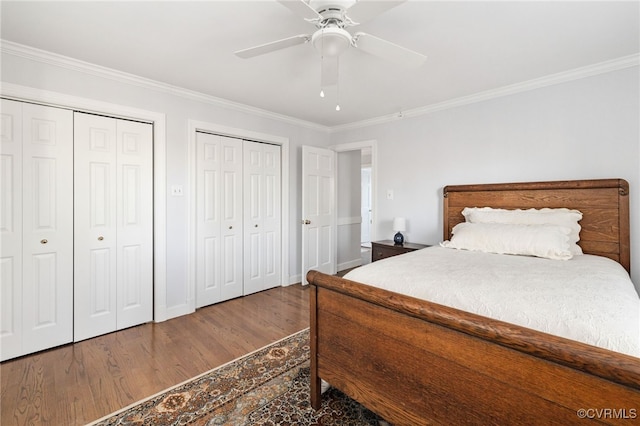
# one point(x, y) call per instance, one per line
point(415, 362)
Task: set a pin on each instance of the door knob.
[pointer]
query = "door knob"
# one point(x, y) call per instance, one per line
point(231, 227)
point(43, 241)
point(306, 222)
point(100, 238)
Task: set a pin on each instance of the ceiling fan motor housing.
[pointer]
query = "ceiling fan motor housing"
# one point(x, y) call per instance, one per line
point(331, 8)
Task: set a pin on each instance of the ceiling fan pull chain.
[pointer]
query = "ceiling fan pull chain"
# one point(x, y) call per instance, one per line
point(338, 85)
point(322, 69)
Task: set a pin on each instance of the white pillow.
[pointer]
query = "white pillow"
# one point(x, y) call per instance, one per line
point(548, 241)
point(546, 216)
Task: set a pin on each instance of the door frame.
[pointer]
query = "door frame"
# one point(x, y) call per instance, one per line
point(196, 125)
point(355, 146)
point(158, 120)
point(370, 211)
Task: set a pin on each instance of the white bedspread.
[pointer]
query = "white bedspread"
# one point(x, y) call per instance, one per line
point(588, 298)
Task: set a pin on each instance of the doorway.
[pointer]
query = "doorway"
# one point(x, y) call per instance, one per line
point(355, 203)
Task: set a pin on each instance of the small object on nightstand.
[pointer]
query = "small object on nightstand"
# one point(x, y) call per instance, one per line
point(399, 225)
point(388, 248)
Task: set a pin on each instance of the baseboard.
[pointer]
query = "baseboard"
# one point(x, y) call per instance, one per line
point(350, 264)
point(294, 279)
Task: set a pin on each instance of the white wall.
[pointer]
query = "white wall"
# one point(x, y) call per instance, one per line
point(583, 129)
point(78, 82)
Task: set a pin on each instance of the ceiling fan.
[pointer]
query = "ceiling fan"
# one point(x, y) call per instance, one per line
point(331, 39)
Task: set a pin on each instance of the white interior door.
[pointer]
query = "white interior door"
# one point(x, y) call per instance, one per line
point(11, 231)
point(48, 226)
point(262, 223)
point(318, 210)
point(271, 215)
point(219, 218)
point(95, 233)
point(134, 226)
point(36, 227)
point(113, 225)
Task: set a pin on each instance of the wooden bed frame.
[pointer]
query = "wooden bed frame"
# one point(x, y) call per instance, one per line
point(415, 362)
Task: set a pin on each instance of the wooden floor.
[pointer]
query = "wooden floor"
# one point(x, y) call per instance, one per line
point(78, 383)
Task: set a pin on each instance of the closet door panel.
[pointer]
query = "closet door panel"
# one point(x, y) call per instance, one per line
point(95, 232)
point(253, 231)
point(262, 216)
point(272, 216)
point(219, 218)
point(47, 227)
point(10, 230)
point(134, 223)
point(231, 220)
point(208, 222)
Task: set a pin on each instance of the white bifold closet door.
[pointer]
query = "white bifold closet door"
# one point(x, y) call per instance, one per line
point(113, 224)
point(219, 218)
point(262, 216)
point(36, 228)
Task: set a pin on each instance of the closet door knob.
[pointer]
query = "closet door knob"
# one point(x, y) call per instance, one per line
point(231, 227)
point(256, 225)
point(43, 241)
point(100, 238)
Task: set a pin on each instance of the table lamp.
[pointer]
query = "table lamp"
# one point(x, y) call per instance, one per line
point(399, 225)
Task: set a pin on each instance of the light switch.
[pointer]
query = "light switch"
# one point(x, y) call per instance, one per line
point(176, 190)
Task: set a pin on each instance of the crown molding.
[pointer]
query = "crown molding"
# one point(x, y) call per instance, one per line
point(549, 80)
point(50, 58)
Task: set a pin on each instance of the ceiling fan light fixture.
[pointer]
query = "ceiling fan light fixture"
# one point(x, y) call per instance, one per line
point(331, 41)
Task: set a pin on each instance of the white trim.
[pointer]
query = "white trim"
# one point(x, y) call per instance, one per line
point(50, 58)
point(354, 220)
point(536, 83)
point(192, 127)
point(61, 100)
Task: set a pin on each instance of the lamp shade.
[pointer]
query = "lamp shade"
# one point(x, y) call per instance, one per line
point(399, 224)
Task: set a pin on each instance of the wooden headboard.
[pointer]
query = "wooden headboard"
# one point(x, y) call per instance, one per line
point(604, 204)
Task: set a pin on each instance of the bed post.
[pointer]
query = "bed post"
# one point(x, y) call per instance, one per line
point(316, 393)
point(445, 217)
point(623, 218)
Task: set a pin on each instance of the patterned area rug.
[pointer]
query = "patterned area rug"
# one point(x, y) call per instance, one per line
point(267, 387)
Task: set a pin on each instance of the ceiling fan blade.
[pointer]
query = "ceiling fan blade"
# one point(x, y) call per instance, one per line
point(301, 8)
point(273, 46)
point(329, 76)
point(363, 10)
point(389, 51)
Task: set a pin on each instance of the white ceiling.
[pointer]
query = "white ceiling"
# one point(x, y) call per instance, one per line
point(471, 46)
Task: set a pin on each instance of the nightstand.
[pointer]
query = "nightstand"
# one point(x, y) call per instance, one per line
point(387, 248)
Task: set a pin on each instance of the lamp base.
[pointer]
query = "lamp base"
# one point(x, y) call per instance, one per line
point(398, 239)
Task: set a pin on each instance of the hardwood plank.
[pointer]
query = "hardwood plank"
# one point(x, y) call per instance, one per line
point(78, 383)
